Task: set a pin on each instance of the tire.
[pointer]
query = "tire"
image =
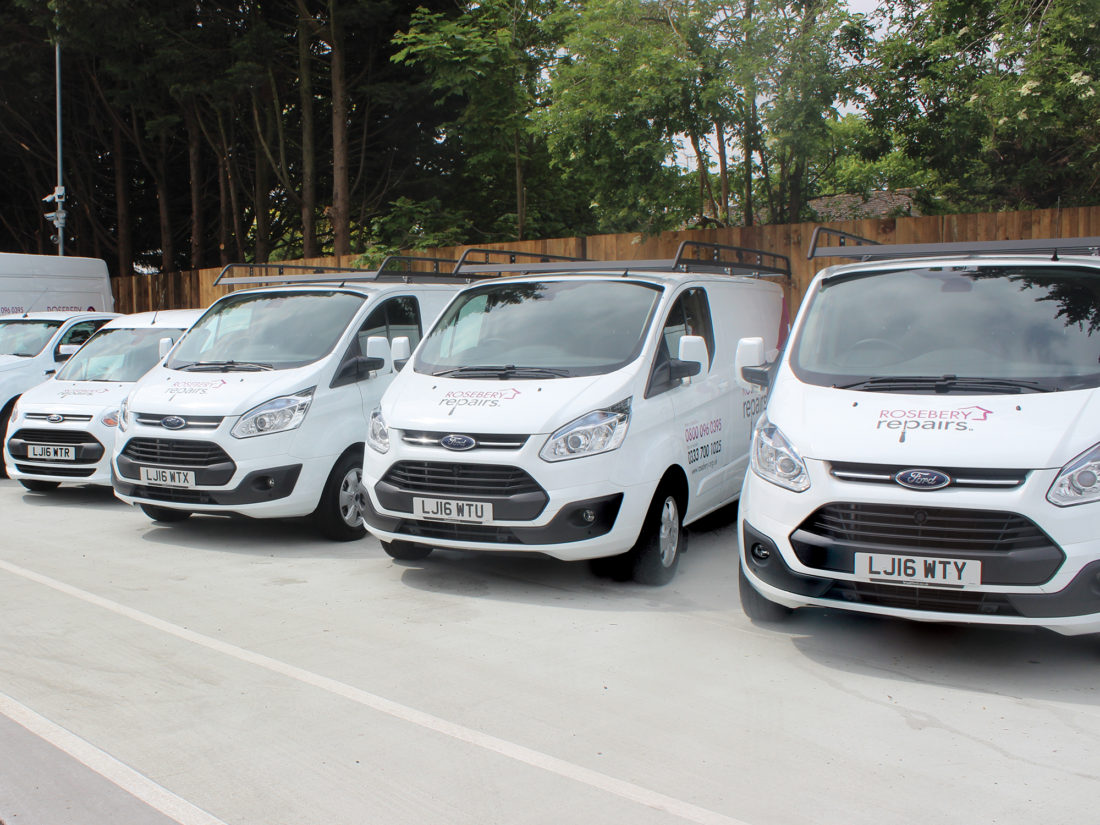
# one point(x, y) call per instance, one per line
point(406, 550)
point(5, 416)
point(339, 515)
point(164, 514)
point(755, 606)
point(656, 555)
point(37, 486)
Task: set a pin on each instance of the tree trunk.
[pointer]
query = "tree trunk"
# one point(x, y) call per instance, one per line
point(167, 247)
point(309, 174)
point(194, 166)
point(723, 173)
point(521, 192)
point(341, 186)
point(122, 204)
point(706, 193)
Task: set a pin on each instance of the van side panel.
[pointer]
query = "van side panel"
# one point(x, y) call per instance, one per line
point(53, 283)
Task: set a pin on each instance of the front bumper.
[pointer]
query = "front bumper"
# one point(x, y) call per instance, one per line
point(90, 448)
point(1050, 578)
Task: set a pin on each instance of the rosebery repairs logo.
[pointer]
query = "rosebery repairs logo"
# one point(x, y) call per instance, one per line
point(477, 398)
point(81, 393)
point(194, 387)
point(960, 419)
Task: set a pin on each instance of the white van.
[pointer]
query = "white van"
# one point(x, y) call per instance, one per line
point(586, 410)
point(53, 283)
point(930, 447)
point(260, 409)
point(33, 345)
point(63, 430)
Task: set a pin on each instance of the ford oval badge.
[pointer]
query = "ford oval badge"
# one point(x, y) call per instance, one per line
point(54, 418)
point(173, 422)
point(458, 442)
point(922, 479)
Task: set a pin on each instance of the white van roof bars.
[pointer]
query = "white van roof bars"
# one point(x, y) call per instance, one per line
point(398, 267)
point(864, 249)
point(691, 256)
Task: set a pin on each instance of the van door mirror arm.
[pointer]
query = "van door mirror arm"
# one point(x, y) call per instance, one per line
point(356, 369)
point(760, 376)
point(683, 369)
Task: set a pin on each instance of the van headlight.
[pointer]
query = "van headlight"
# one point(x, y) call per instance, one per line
point(600, 431)
point(378, 434)
point(775, 460)
point(124, 414)
point(275, 416)
point(1078, 482)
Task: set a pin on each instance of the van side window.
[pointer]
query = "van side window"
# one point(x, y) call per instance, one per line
point(395, 318)
point(689, 315)
point(79, 333)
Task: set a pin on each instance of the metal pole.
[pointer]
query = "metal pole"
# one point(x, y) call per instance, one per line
point(60, 190)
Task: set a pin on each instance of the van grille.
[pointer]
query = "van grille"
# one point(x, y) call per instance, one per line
point(175, 452)
point(437, 478)
point(916, 528)
point(483, 441)
point(55, 437)
point(982, 478)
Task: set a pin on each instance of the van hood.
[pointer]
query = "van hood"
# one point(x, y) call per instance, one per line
point(415, 401)
point(59, 396)
point(1024, 431)
point(163, 391)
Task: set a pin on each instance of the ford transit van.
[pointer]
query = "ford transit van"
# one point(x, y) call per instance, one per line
point(53, 283)
point(260, 409)
point(63, 430)
point(581, 410)
point(930, 448)
point(33, 345)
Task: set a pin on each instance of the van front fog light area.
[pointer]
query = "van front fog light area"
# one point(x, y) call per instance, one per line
point(274, 416)
point(775, 460)
point(599, 431)
point(1078, 482)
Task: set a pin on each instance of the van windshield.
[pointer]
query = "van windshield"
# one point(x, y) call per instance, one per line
point(117, 354)
point(266, 331)
point(974, 328)
point(26, 338)
point(546, 329)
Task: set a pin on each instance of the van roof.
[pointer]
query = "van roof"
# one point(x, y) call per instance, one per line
point(170, 318)
point(866, 249)
point(56, 316)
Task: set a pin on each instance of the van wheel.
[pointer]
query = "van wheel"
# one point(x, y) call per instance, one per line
point(165, 514)
point(37, 486)
point(656, 555)
point(339, 515)
point(406, 550)
point(755, 606)
point(5, 416)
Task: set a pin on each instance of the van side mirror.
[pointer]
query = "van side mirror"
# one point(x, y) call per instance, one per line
point(163, 345)
point(749, 369)
point(356, 369)
point(65, 352)
point(693, 350)
point(401, 350)
point(379, 347)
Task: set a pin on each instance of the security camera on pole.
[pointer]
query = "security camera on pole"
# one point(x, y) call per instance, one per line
point(57, 217)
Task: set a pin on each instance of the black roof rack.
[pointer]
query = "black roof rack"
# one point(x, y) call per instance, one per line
point(866, 250)
point(393, 267)
point(691, 256)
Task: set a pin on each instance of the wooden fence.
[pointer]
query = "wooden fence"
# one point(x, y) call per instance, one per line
point(195, 288)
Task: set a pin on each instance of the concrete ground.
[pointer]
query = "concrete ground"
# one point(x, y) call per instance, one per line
point(249, 673)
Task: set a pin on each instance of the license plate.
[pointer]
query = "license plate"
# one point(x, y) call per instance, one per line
point(451, 509)
point(160, 477)
point(922, 570)
point(51, 452)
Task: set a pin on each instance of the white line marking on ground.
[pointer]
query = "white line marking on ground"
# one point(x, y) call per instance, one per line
point(126, 778)
point(511, 750)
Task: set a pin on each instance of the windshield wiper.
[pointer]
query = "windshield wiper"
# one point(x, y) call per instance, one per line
point(945, 384)
point(226, 366)
point(503, 372)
